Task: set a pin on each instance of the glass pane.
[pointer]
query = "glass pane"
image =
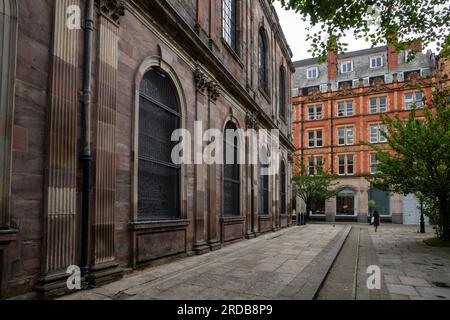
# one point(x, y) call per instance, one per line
point(350, 136)
point(159, 88)
point(341, 136)
point(231, 195)
point(158, 177)
point(345, 205)
point(383, 104)
point(158, 196)
point(319, 112)
point(350, 164)
point(156, 126)
point(349, 108)
point(341, 109)
point(373, 134)
point(373, 105)
point(311, 113)
point(382, 201)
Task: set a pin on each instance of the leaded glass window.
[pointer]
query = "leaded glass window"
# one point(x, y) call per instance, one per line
point(158, 177)
point(230, 23)
point(231, 181)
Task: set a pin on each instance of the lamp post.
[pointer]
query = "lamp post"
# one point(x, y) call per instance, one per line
point(422, 218)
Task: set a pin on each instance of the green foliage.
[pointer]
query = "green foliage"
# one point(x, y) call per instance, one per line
point(400, 22)
point(437, 242)
point(309, 188)
point(372, 204)
point(430, 208)
point(421, 158)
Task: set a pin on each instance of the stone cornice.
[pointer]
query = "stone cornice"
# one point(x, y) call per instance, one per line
point(272, 19)
point(162, 13)
point(112, 9)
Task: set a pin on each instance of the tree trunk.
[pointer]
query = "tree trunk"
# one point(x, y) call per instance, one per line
point(308, 208)
point(444, 212)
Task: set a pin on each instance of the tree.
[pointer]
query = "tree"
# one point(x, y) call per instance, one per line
point(312, 188)
point(420, 156)
point(397, 22)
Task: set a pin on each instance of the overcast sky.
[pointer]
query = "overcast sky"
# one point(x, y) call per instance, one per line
point(294, 30)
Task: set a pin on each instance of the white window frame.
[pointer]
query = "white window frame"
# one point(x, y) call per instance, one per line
point(315, 139)
point(309, 73)
point(408, 103)
point(348, 131)
point(379, 137)
point(372, 164)
point(315, 115)
point(315, 164)
point(346, 164)
point(374, 65)
point(345, 64)
point(378, 105)
point(346, 108)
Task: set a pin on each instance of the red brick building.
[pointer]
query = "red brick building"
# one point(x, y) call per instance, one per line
point(337, 107)
point(90, 94)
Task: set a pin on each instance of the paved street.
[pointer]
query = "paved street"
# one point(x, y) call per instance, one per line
point(317, 261)
point(290, 264)
point(412, 270)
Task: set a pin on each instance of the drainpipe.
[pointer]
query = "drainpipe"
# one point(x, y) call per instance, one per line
point(86, 154)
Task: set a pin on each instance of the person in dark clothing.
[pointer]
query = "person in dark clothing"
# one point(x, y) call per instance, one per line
point(376, 220)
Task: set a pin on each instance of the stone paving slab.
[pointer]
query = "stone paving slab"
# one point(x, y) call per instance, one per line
point(289, 264)
point(411, 269)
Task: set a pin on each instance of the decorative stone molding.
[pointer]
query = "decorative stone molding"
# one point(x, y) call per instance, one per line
point(250, 121)
point(113, 9)
point(201, 80)
point(414, 77)
point(213, 91)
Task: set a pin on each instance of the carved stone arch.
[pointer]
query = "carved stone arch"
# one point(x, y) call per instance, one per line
point(8, 58)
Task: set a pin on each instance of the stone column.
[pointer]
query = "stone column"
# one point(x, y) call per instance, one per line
point(212, 218)
point(59, 231)
point(104, 266)
point(200, 245)
point(8, 57)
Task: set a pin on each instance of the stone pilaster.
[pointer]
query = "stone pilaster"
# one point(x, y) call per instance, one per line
point(8, 57)
point(200, 244)
point(104, 266)
point(59, 241)
point(212, 217)
point(251, 214)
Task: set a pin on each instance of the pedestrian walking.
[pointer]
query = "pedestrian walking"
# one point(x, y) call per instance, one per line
point(376, 220)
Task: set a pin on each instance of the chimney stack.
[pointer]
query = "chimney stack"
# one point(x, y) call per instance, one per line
point(332, 63)
point(392, 58)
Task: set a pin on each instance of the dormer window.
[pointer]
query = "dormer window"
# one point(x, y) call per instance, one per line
point(376, 62)
point(347, 67)
point(312, 73)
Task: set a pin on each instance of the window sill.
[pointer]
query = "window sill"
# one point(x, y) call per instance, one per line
point(232, 220)
point(233, 53)
point(157, 224)
point(265, 94)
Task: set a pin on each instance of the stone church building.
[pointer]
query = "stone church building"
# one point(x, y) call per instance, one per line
point(91, 91)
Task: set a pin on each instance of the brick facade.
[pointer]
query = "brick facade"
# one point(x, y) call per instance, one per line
point(350, 106)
